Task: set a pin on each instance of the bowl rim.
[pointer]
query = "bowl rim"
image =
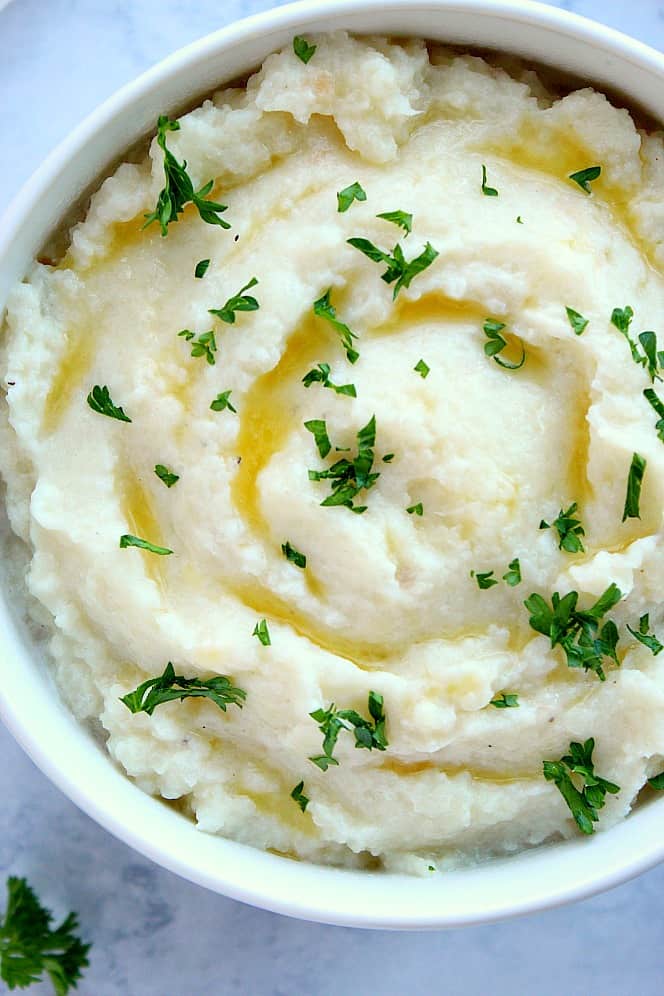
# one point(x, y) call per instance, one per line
point(319, 893)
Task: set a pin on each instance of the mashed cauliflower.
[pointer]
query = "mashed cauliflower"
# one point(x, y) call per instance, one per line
point(391, 601)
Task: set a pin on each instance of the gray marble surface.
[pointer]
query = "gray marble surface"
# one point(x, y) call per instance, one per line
point(154, 934)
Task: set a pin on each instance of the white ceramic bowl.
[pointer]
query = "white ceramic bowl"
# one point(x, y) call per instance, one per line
point(29, 703)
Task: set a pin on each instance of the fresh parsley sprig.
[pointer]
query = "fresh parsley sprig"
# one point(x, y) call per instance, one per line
point(577, 769)
point(223, 402)
point(643, 635)
point(497, 344)
point(321, 375)
point(345, 197)
point(178, 189)
point(205, 345)
point(128, 540)
point(569, 530)
point(100, 401)
point(348, 477)
point(369, 733)
point(170, 686)
point(31, 949)
point(651, 358)
point(400, 218)
point(399, 269)
point(512, 577)
point(323, 308)
point(238, 302)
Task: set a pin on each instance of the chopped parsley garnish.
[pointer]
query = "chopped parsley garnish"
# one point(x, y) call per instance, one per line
point(303, 49)
point(651, 358)
point(416, 509)
point(399, 269)
point(31, 948)
point(170, 686)
point(577, 631)
point(657, 781)
point(506, 700)
point(222, 401)
point(388, 458)
point(295, 557)
point(347, 477)
point(128, 540)
point(497, 344)
point(569, 530)
point(484, 580)
point(345, 197)
point(513, 575)
point(648, 640)
point(656, 402)
point(323, 309)
point(584, 177)
point(400, 218)
point(634, 482)
point(298, 795)
point(321, 375)
point(239, 302)
point(486, 190)
point(519, 220)
point(577, 321)
point(262, 632)
point(205, 345)
point(201, 268)
point(369, 733)
point(583, 801)
point(421, 368)
point(178, 189)
point(166, 475)
point(100, 401)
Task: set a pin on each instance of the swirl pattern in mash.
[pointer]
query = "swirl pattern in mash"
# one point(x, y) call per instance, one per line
point(387, 601)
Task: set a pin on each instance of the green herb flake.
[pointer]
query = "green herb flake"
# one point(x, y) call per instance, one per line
point(347, 477)
point(658, 405)
point(239, 302)
point(388, 458)
point(519, 220)
point(222, 401)
point(422, 369)
point(486, 190)
point(513, 575)
point(577, 321)
point(584, 177)
point(416, 509)
point(400, 218)
point(505, 700)
point(569, 530)
point(100, 401)
point(303, 49)
point(178, 189)
point(497, 343)
point(369, 733)
point(128, 540)
point(634, 483)
point(318, 429)
point(293, 555)
point(166, 475)
point(205, 345)
point(657, 782)
point(399, 269)
point(324, 309)
point(170, 686)
point(345, 197)
point(298, 795)
point(643, 635)
point(484, 580)
point(651, 358)
point(262, 632)
point(576, 768)
point(201, 268)
point(321, 375)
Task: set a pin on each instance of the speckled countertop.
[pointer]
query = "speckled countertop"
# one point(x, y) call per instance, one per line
point(154, 934)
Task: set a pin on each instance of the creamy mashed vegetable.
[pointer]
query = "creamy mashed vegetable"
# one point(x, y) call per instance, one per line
point(386, 602)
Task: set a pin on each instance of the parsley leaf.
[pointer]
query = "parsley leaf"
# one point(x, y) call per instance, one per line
point(100, 401)
point(655, 402)
point(170, 686)
point(399, 269)
point(239, 302)
point(388, 458)
point(421, 368)
point(178, 189)
point(577, 631)
point(323, 309)
point(634, 482)
point(513, 575)
point(318, 429)
point(505, 700)
point(583, 802)
point(201, 268)
point(648, 640)
point(262, 632)
point(298, 795)
point(205, 345)
point(400, 218)
point(485, 580)
point(369, 733)
point(569, 530)
point(293, 555)
point(303, 49)
point(129, 540)
point(584, 177)
point(651, 358)
point(322, 376)
point(347, 477)
point(497, 343)
point(30, 948)
point(486, 190)
point(345, 197)
point(578, 322)
point(416, 509)
point(166, 475)
point(657, 781)
point(222, 401)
